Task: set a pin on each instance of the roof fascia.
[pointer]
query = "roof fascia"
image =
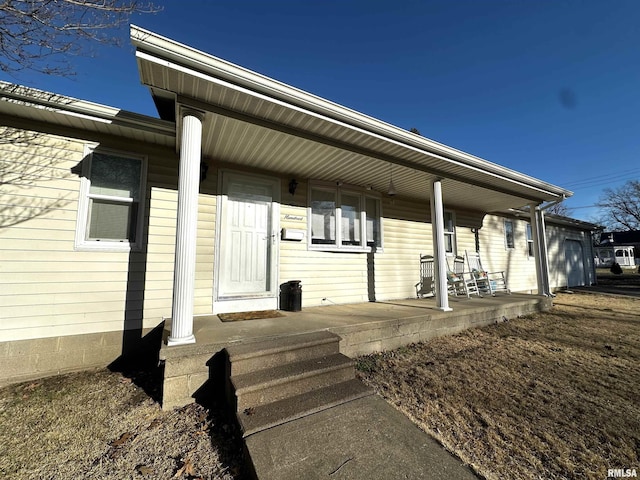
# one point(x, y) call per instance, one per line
point(167, 49)
point(64, 105)
point(552, 218)
point(542, 194)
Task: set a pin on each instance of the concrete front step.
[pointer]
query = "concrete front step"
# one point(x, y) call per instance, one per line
point(256, 419)
point(291, 379)
point(250, 357)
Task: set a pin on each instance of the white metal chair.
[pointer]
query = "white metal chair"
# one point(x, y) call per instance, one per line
point(426, 287)
point(487, 282)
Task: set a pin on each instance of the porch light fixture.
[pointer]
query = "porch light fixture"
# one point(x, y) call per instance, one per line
point(293, 185)
point(392, 189)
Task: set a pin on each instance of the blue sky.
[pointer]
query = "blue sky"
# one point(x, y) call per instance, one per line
point(549, 88)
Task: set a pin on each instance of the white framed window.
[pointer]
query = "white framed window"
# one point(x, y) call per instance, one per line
point(450, 233)
point(111, 202)
point(509, 241)
point(373, 225)
point(343, 219)
point(529, 241)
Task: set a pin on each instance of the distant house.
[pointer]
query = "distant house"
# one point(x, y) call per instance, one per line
point(112, 222)
point(622, 248)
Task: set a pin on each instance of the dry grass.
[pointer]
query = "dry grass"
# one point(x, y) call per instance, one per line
point(550, 396)
point(101, 425)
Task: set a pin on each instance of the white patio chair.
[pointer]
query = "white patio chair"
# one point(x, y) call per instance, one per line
point(427, 284)
point(487, 282)
point(467, 279)
point(460, 282)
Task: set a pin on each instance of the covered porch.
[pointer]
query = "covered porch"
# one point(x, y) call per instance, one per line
point(229, 119)
point(363, 328)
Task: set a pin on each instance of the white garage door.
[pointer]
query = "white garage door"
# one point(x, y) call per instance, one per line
point(575, 263)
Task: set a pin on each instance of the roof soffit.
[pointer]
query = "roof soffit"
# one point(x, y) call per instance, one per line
point(225, 92)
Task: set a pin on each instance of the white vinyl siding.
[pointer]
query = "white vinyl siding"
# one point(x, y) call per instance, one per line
point(519, 268)
point(330, 277)
point(49, 289)
point(316, 269)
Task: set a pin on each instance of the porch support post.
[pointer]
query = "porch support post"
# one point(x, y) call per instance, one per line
point(540, 249)
point(186, 229)
point(439, 250)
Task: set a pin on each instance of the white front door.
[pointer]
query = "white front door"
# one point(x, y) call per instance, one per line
point(248, 243)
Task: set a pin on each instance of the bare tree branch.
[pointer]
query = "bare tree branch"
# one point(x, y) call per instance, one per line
point(621, 207)
point(29, 159)
point(560, 209)
point(40, 35)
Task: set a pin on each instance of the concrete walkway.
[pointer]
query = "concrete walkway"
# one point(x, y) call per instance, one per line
point(366, 439)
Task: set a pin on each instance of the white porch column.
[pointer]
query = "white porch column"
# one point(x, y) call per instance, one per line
point(439, 249)
point(186, 229)
point(540, 249)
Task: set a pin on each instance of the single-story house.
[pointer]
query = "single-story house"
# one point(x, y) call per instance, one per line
point(112, 222)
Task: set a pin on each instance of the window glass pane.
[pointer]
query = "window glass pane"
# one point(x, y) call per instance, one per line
point(350, 212)
point(449, 232)
point(372, 207)
point(508, 234)
point(115, 176)
point(112, 220)
point(448, 222)
point(529, 241)
point(448, 242)
point(323, 217)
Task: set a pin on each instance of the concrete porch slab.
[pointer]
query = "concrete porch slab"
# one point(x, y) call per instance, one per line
point(363, 328)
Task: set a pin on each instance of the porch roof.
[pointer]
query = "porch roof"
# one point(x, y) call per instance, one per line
point(260, 123)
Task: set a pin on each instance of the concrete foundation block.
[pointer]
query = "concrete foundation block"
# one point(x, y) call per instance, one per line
point(176, 392)
point(196, 381)
point(186, 365)
point(36, 346)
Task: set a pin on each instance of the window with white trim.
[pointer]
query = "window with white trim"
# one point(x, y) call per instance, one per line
point(450, 233)
point(343, 219)
point(372, 213)
point(509, 241)
point(110, 210)
point(529, 241)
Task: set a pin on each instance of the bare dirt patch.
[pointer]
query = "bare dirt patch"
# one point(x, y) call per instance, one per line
point(553, 395)
point(100, 424)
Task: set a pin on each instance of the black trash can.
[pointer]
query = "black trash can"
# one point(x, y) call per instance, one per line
point(291, 296)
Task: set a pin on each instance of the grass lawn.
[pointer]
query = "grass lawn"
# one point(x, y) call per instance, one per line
point(553, 395)
point(101, 425)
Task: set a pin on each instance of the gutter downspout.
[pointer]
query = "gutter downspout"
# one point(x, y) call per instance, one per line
point(543, 244)
point(538, 229)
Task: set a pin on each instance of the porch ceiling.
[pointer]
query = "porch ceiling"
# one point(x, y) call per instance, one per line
point(260, 123)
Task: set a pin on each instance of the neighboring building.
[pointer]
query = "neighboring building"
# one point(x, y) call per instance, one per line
point(112, 222)
point(622, 248)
